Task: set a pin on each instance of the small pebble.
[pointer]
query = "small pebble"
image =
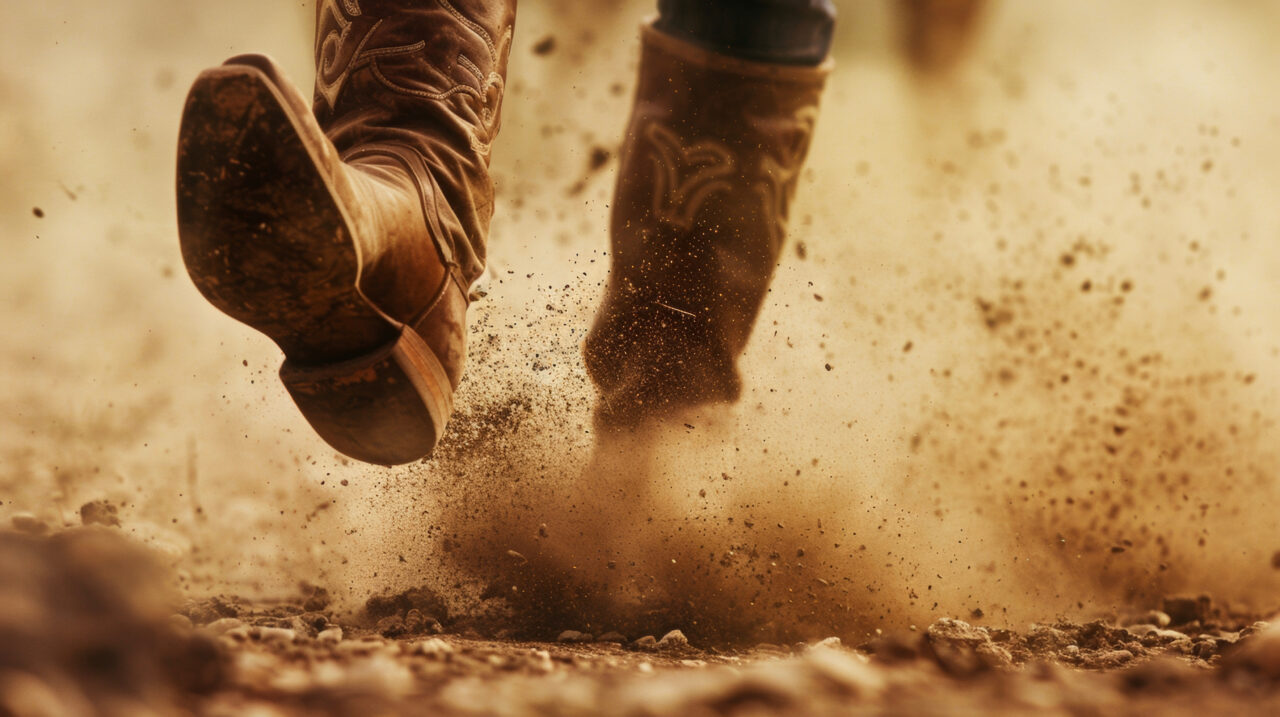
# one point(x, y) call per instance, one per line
point(332, 635)
point(359, 647)
point(414, 622)
point(433, 647)
point(648, 642)
point(673, 640)
point(392, 626)
point(223, 625)
point(319, 598)
point(542, 661)
point(28, 523)
point(99, 512)
point(277, 635)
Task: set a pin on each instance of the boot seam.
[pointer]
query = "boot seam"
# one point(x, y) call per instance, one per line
point(451, 268)
point(436, 298)
point(394, 152)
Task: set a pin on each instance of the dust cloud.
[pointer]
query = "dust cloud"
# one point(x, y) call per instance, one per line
point(1018, 361)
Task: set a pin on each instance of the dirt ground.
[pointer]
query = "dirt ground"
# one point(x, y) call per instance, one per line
point(1012, 402)
point(85, 631)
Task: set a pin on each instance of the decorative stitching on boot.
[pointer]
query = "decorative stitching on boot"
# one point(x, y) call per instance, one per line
point(779, 174)
point(330, 56)
point(387, 51)
point(685, 176)
point(329, 49)
point(471, 67)
point(475, 27)
point(438, 96)
point(488, 115)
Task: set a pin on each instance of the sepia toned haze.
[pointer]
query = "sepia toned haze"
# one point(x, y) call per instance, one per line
point(1020, 356)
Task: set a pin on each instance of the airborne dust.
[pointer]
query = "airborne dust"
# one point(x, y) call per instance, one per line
point(1019, 361)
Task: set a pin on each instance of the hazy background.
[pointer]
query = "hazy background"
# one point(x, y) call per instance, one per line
point(1048, 291)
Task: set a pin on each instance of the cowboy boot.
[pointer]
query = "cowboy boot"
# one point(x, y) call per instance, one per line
point(350, 232)
point(708, 169)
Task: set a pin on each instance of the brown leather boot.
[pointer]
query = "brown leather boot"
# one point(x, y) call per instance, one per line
point(351, 236)
point(708, 170)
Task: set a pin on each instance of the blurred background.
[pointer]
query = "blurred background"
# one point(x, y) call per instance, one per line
point(1021, 355)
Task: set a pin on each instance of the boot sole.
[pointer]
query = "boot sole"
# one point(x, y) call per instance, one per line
point(265, 240)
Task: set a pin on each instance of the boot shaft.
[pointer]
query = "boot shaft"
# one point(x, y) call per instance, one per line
point(420, 83)
point(712, 156)
point(708, 169)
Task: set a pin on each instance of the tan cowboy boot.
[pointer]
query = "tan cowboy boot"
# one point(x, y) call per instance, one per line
point(708, 170)
point(351, 236)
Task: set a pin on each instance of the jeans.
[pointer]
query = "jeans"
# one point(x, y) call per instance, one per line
point(793, 32)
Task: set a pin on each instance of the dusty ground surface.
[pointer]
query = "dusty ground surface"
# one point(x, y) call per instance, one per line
point(1018, 370)
point(86, 631)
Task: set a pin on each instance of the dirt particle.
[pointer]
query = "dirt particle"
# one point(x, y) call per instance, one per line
point(99, 512)
point(545, 46)
point(994, 316)
point(317, 598)
point(1182, 609)
point(392, 626)
point(598, 158)
point(28, 523)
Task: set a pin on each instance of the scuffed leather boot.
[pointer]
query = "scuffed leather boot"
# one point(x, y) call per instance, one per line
point(351, 232)
point(708, 170)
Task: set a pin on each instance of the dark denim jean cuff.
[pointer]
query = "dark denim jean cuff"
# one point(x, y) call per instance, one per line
point(792, 32)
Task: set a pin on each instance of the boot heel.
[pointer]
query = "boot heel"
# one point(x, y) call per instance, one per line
point(387, 407)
